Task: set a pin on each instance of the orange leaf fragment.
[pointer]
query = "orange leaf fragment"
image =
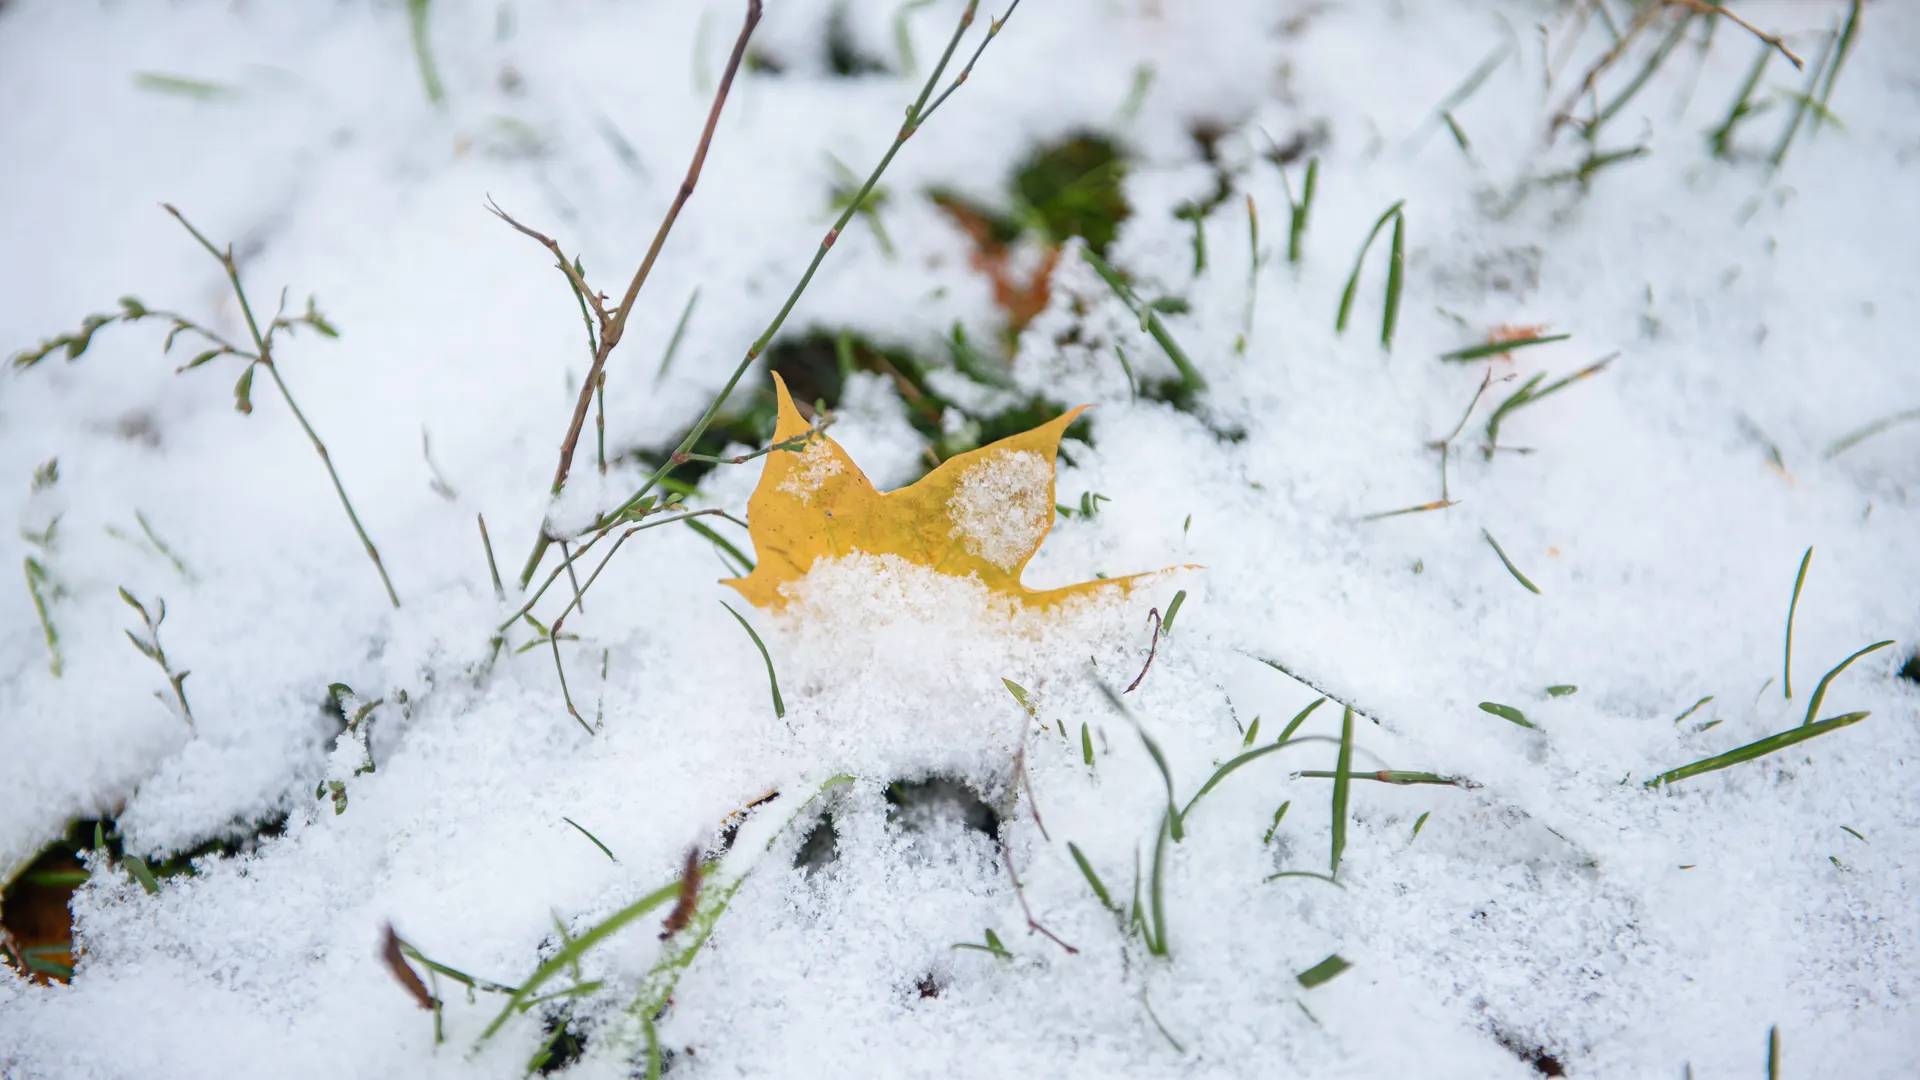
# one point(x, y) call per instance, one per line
point(979, 514)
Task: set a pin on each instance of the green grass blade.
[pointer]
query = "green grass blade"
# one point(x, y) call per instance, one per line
point(1353, 280)
point(1396, 280)
point(1322, 972)
point(570, 953)
point(1820, 691)
point(1508, 563)
point(1786, 662)
point(1343, 767)
point(1757, 749)
point(1693, 708)
point(1861, 435)
point(1157, 887)
point(721, 543)
point(1297, 225)
point(1508, 713)
point(1300, 718)
point(773, 681)
point(1086, 744)
point(1166, 623)
point(1562, 690)
point(423, 50)
point(1250, 756)
point(1278, 816)
point(604, 849)
point(1093, 879)
point(679, 331)
point(138, 868)
point(1495, 348)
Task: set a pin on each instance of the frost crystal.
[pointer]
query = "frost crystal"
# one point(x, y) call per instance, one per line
point(817, 463)
point(1002, 507)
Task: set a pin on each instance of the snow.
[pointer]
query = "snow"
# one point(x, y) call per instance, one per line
point(1558, 905)
point(1002, 505)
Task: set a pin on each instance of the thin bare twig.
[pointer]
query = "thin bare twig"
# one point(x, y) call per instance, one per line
point(613, 324)
point(553, 639)
point(916, 114)
point(1719, 9)
point(1154, 614)
point(1006, 856)
point(263, 357)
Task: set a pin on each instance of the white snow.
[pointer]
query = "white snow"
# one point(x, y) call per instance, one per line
point(1661, 506)
point(1002, 506)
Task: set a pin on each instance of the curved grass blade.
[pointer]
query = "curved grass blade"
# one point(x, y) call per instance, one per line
point(1757, 749)
point(773, 681)
point(1508, 563)
point(1820, 691)
point(1786, 664)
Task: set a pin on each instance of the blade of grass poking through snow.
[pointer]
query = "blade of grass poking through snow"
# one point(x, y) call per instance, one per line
point(493, 568)
point(1497, 348)
point(917, 114)
point(1396, 280)
point(1639, 80)
point(1397, 777)
point(722, 545)
point(1418, 824)
point(1803, 101)
point(1153, 751)
point(1562, 690)
point(1508, 563)
point(1324, 971)
point(1190, 380)
point(1156, 888)
point(138, 868)
point(1773, 1052)
point(1086, 744)
point(1093, 880)
point(573, 949)
point(1820, 691)
point(1721, 138)
point(679, 331)
point(1758, 749)
point(417, 11)
point(1278, 816)
point(1359, 263)
point(1527, 395)
point(1297, 223)
point(1253, 732)
point(1250, 756)
point(1821, 114)
point(773, 681)
point(1342, 767)
point(39, 587)
point(1693, 708)
point(1442, 113)
point(604, 849)
point(1508, 713)
point(1861, 435)
point(1793, 605)
point(1173, 608)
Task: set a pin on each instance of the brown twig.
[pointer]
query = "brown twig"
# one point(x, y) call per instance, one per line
point(1006, 856)
point(613, 324)
point(1718, 9)
point(1154, 614)
point(403, 972)
point(688, 899)
point(1023, 780)
point(553, 639)
point(916, 115)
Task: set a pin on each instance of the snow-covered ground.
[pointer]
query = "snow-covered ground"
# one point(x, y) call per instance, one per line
point(1553, 913)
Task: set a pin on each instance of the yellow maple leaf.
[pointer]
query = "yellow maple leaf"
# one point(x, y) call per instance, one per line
point(981, 514)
